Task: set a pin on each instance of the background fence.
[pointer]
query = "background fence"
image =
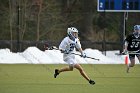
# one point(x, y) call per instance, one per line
point(21, 46)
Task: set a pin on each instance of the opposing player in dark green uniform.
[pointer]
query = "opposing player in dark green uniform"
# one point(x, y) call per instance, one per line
point(132, 44)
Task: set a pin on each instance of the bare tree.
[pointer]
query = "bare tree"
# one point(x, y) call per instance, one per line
point(37, 5)
point(10, 23)
point(38, 18)
point(23, 18)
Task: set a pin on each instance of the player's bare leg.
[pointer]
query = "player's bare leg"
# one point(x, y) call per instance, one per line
point(82, 72)
point(138, 58)
point(131, 64)
point(58, 71)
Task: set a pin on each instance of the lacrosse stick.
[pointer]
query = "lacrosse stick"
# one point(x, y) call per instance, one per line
point(129, 52)
point(53, 47)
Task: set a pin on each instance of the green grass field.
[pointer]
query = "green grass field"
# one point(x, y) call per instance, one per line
point(25, 78)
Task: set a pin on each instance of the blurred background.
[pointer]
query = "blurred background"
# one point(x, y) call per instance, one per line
point(25, 23)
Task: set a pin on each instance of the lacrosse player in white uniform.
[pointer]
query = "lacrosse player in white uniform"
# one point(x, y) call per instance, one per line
point(67, 47)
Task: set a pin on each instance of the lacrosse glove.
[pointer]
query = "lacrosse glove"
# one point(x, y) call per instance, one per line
point(83, 55)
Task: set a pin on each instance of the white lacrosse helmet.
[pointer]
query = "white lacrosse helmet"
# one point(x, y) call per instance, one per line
point(71, 31)
point(136, 31)
point(136, 27)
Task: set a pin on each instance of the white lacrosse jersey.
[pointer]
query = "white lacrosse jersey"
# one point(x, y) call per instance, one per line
point(68, 44)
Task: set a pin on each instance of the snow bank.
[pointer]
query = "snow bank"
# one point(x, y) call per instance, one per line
point(33, 55)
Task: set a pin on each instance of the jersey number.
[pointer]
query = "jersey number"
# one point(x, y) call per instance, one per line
point(135, 44)
point(72, 46)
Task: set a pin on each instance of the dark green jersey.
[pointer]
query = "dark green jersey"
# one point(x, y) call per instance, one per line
point(133, 42)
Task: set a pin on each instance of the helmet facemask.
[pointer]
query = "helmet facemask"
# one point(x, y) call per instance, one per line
point(72, 33)
point(75, 34)
point(136, 30)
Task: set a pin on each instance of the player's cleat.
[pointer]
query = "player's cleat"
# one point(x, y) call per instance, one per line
point(127, 70)
point(56, 73)
point(91, 82)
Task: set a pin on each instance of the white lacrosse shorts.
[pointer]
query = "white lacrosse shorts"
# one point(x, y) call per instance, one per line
point(70, 59)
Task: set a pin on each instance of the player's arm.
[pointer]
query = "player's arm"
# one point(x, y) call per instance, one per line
point(125, 47)
point(62, 47)
point(78, 46)
point(80, 50)
point(82, 53)
point(126, 44)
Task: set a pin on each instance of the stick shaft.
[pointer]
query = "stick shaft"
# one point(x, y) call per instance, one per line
point(86, 56)
point(127, 53)
point(75, 53)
